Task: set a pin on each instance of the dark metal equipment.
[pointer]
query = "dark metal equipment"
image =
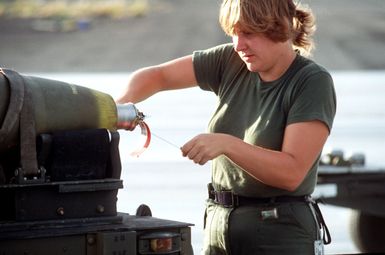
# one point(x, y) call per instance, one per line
point(360, 188)
point(58, 192)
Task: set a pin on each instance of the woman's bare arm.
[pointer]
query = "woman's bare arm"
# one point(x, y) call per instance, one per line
point(145, 82)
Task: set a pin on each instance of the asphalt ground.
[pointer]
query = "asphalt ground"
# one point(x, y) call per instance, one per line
point(350, 36)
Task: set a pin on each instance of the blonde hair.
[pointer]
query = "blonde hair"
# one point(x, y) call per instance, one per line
point(278, 20)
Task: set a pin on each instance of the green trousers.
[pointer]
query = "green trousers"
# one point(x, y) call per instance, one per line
point(284, 228)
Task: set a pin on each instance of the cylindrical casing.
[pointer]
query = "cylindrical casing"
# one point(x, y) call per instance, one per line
point(61, 106)
point(64, 106)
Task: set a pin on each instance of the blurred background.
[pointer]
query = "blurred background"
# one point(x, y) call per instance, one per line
point(97, 43)
point(122, 35)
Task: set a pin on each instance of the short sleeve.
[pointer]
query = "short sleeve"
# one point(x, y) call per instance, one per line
point(315, 99)
point(209, 66)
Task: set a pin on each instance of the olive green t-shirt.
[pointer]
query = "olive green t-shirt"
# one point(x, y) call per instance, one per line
point(258, 112)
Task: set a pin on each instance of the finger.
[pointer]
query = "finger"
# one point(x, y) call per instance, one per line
point(197, 159)
point(202, 162)
point(187, 147)
point(193, 154)
point(201, 158)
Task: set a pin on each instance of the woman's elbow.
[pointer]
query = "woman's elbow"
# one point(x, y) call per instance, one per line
point(293, 182)
point(292, 186)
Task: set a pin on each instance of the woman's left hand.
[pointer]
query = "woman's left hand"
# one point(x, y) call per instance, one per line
point(205, 147)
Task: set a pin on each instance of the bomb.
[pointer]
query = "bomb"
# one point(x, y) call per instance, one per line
point(54, 106)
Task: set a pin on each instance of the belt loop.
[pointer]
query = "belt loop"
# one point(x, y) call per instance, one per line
point(211, 191)
point(234, 200)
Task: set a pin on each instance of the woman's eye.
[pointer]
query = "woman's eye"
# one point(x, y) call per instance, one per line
point(246, 33)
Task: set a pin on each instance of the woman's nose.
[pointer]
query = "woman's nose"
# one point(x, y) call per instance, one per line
point(238, 43)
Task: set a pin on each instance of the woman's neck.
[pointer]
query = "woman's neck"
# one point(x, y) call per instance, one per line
point(281, 65)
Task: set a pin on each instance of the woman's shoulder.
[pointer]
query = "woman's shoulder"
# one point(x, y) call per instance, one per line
point(223, 56)
point(310, 66)
point(225, 47)
point(221, 50)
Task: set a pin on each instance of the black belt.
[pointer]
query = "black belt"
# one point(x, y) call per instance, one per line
point(227, 198)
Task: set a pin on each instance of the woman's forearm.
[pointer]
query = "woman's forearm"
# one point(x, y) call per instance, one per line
point(142, 84)
point(274, 168)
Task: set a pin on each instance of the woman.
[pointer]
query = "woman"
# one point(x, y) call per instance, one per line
point(275, 112)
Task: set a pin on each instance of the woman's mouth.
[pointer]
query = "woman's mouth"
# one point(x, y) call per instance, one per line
point(247, 57)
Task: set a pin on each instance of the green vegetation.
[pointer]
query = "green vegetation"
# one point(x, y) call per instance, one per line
point(73, 8)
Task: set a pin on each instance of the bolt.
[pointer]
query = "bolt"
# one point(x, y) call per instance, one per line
point(90, 240)
point(60, 211)
point(100, 209)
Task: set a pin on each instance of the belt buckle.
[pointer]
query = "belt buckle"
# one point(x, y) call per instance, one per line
point(234, 199)
point(226, 198)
